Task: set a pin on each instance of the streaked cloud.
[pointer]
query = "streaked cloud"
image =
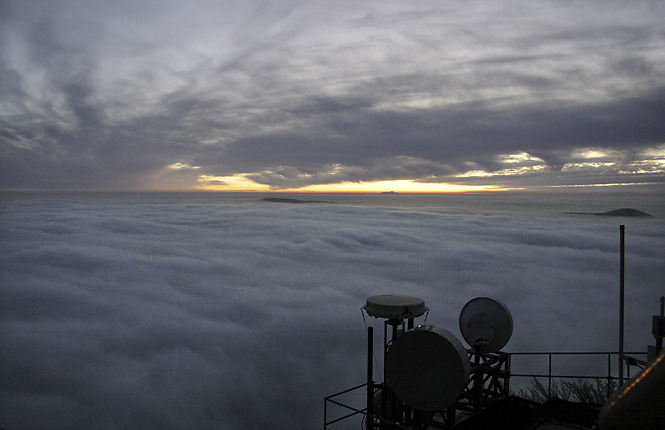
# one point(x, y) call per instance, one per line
point(98, 95)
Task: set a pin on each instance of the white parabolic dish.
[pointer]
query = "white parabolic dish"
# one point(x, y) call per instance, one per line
point(427, 368)
point(486, 324)
point(393, 306)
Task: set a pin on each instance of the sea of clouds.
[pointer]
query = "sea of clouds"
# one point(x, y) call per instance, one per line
point(119, 313)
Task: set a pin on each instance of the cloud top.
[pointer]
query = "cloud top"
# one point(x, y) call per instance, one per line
point(118, 312)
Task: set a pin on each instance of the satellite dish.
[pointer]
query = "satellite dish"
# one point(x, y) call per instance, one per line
point(395, 307)
point(486, 324)
point(427, 368)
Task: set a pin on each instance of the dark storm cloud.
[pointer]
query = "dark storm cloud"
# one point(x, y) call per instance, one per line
point(254, 89)
point(449, 138)
point(120, 314)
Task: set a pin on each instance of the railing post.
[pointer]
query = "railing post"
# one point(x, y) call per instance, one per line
point(609, 375)
point(658, 333)
point(622, 265)
point(370, 379)
point(507, 382)
point(549, 377)
point(627, 369)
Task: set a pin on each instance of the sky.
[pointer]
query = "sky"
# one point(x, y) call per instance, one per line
point(126, 311)
point(331, 96)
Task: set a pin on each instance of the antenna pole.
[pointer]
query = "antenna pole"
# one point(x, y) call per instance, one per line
point(370, 379)
point(622, 229)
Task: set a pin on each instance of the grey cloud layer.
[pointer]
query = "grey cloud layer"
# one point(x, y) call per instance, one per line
point(243, 88)
point(124, 313)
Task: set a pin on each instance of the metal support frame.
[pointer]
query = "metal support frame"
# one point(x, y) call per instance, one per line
point(489, 380)
point(386, 423)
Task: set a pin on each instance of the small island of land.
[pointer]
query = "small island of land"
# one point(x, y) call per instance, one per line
point(297, 201)
point(615, 212)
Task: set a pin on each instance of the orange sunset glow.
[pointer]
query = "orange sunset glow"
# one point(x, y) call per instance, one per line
point(242, 184)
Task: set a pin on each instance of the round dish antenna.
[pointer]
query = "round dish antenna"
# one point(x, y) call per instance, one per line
point(427, 368)
point(486, 324)
point(395, 307)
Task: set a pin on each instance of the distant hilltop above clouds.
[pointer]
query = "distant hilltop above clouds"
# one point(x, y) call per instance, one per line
point(281, 200)
point(615, 212)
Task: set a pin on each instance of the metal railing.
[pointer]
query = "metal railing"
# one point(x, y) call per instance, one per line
point(551, 377)
point(355, 411)
point(330, 398)
point(608, 376)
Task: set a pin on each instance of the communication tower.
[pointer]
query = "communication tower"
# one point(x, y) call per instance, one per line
point(427, 370)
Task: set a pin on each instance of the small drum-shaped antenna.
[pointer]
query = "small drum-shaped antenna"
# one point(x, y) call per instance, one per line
point(396, 307)
point(486, 324)
point(427, 368)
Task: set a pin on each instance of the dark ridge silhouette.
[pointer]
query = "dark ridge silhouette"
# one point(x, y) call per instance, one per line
point(625, 212)
point(297, 201)
point(615, 212)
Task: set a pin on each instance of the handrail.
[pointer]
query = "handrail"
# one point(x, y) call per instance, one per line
point(356, 411)
point(551, 376)
point(329, 399)
point(573, 353)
